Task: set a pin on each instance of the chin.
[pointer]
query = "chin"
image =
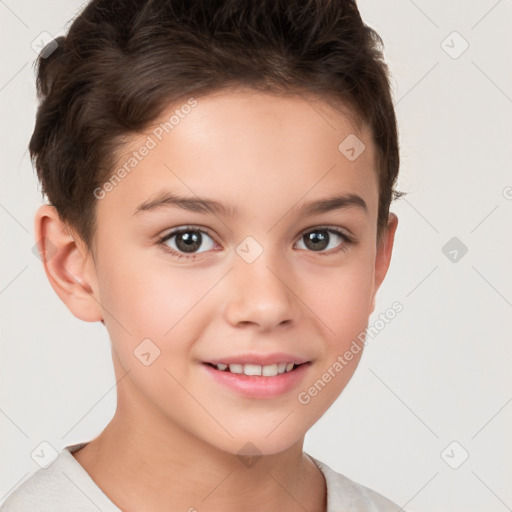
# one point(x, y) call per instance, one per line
point(259, 444)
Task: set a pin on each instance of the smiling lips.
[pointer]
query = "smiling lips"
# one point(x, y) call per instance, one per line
point(270, 370)
point(262, 365)
point(260, 381)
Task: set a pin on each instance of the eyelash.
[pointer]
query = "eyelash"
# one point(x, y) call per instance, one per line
point(347, 241)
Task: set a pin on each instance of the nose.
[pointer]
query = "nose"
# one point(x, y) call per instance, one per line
point(261, 294)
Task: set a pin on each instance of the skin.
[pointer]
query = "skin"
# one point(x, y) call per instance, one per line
point(173, 441)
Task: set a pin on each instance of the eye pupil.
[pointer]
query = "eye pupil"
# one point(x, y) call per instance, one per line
point(319, 239)
point(190, 239)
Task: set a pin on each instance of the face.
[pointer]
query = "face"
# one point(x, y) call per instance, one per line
point(271, 268)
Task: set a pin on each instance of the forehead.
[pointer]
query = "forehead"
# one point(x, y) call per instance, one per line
point(251, 150)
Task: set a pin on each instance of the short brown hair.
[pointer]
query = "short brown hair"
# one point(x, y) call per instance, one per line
point(123, 62)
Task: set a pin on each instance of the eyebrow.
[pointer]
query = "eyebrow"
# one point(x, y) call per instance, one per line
point(165, 199)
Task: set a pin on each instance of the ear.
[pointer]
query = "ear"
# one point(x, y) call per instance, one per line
point(383, 256)
point(68, 265)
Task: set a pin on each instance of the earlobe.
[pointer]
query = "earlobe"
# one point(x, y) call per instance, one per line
point(69, 268)
point(383, 256)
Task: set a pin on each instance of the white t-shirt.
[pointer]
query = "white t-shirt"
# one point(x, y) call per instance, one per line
point(65, 486)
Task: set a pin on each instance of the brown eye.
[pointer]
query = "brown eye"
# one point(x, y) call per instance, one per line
point(322, 239)
point(187, 241)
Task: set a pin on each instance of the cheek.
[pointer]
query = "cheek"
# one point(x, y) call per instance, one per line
point(150, 298)
point(341, 298)
point(342, 307)
point(158, 302)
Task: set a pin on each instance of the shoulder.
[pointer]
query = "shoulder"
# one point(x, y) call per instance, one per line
point(62, 486)
point(345, 494)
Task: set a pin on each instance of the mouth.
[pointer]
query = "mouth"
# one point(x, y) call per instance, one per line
point(258, 381)
point(256, 370)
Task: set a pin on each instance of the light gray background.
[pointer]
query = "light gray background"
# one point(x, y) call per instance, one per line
point(438, 373)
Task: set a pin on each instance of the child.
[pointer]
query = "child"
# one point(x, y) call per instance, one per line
point(193, 154)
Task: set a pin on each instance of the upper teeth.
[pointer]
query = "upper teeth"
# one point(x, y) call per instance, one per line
point(255, 369)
